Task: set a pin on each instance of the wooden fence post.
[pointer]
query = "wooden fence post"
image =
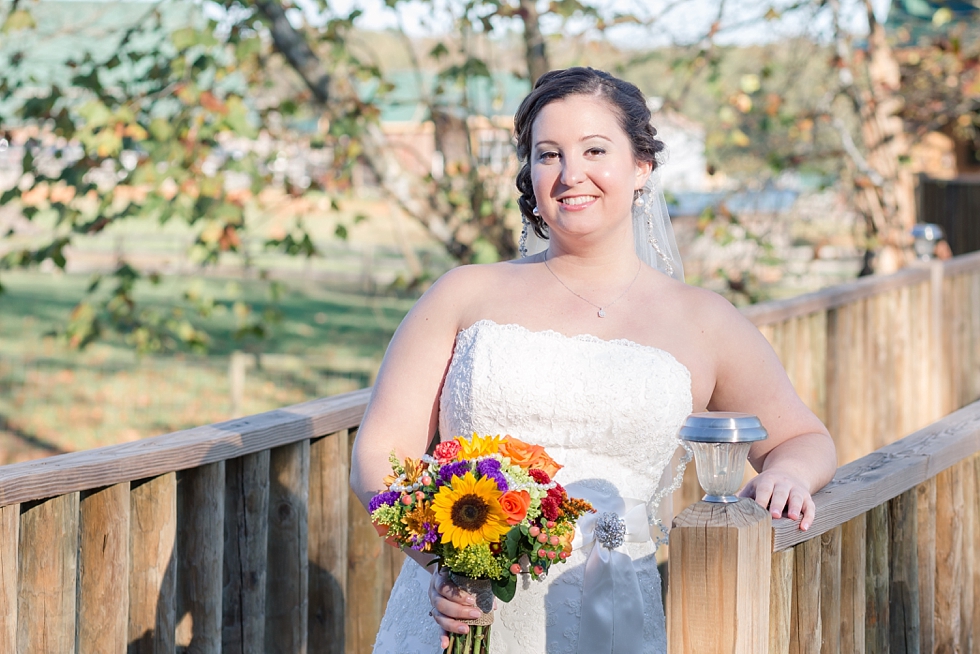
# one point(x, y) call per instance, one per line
point(720, 566)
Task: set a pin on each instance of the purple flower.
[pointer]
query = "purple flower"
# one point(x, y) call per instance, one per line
point(431, 536)
point(491, 468)
point(386, 498)
point(457, 469)
point(487, 467)
point(501, 482)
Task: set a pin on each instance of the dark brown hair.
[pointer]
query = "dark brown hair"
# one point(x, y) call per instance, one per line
point(624, 98)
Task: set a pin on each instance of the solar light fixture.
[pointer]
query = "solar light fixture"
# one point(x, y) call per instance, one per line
point(721, 442)
point(926, 236)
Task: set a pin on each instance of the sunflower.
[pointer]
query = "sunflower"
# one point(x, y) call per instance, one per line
point(469, 513)
point(478, 446)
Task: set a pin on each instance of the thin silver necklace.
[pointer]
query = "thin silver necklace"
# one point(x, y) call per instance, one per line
point(602, 311)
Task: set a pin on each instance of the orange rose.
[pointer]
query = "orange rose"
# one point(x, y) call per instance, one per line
point(527, 456)
point(515, 505)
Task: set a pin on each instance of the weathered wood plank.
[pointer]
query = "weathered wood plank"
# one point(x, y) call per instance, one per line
point(876, 581)
point(830, 591)
point(181, 450)
point(724, 548)
point(365, 575)
point(829, 298)
point(926, 547)
point(949, 562)
point(962, 264)
point(887, 473)
point(970, 549)
point(153, 565)
point(805, 633)
point(48, 574)
point(838, 366)
point(103, 570)
point(200, 545)
point(9, 545)
point(246, 544)
point(329, 490)
point(852, 585)
point(287, 584)
point(781, 601)
point(976, 551)
point(903, 578)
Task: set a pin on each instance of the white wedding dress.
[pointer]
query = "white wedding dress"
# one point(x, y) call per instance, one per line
point(609, 412)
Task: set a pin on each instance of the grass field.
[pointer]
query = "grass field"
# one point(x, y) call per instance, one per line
point(53, 399)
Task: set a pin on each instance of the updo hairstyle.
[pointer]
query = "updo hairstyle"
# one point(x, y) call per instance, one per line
point(624, 98)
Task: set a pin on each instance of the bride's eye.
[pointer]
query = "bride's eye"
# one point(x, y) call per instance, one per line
point(595, 151)
point(547, 155)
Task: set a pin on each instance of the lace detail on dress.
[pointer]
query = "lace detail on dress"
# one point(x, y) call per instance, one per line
point(608, 411)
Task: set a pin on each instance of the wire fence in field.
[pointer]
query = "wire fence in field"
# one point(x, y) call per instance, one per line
point(53, 405)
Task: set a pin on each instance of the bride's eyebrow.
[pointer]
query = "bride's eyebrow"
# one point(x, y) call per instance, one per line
point(546, 142)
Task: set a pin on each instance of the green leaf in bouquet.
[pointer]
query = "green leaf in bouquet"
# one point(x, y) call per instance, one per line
point(512, 543)
point(504, 589)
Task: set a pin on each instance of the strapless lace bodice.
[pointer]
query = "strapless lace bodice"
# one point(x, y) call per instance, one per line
point(607, 410)
point(613, 406)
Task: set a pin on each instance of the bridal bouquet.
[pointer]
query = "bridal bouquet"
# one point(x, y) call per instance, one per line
point(488, 510)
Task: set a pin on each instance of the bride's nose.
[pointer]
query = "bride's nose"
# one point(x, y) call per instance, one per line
point(572, 172)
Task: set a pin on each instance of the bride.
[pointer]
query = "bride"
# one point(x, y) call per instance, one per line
point(590, 348)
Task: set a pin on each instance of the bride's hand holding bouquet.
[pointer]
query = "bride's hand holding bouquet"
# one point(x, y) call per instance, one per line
point(488, 510)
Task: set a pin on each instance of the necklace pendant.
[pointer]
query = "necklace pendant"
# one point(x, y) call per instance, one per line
point(602, 312)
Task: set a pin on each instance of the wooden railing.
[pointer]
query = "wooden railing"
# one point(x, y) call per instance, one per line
point(891, 563)
point(242, 536)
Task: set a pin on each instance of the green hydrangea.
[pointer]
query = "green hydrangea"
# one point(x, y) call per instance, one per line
point(473, 561)
point(391, 517)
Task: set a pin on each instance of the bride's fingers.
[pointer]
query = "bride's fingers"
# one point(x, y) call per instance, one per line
point(796, 498)
point(809, 511)
point(448, 615)
point(779, 496)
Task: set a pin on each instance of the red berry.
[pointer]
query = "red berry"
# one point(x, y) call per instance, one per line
point(542, 538)
point(534, 531)
point(538, 570)
point(552, 555)
point(406, 499)
point(542, 553)
point(551, 524)
point(516, 569)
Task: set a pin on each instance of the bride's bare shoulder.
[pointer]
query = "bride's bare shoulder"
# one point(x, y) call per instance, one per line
point(699, 306)
point(464, 287)
point(477, 277)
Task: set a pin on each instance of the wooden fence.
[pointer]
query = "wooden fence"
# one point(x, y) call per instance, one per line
point(891, 563)
point(242, 536)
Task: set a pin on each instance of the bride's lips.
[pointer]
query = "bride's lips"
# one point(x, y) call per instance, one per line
point(577, 202)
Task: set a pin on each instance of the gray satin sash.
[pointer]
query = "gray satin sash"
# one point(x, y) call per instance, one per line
point(612, 604)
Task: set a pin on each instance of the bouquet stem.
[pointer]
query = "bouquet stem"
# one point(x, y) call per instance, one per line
point(475, 641)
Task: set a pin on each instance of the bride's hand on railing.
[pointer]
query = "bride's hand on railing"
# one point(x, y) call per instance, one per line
point(775, 491)
point(449, 605)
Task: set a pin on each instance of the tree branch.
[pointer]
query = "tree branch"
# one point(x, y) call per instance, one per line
point(293, 46)
point(537, 55)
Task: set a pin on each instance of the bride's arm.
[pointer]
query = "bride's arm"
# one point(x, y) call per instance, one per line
point(799, 457)
point(403, 413)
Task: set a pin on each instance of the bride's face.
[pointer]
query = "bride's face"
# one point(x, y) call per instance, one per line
point(582, 166)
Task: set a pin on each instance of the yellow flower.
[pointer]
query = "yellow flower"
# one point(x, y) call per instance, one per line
point(415, 521)
point(469, 513)
point(478, 446)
